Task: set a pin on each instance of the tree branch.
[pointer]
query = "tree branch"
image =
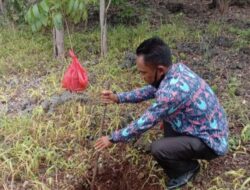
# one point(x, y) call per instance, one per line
point(107, 8)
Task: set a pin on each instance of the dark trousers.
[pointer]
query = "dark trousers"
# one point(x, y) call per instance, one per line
point(177, 153)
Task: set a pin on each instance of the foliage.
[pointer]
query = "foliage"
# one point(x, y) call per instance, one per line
point(52, 12)
point(16, 9)
point(125, 12)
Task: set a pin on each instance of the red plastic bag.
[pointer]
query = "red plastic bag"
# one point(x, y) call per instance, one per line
point(75, 78)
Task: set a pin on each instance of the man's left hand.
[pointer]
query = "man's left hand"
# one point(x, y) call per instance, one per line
point(102, 143)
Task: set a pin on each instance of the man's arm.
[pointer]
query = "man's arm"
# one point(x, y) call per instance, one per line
point(150, 118)
point(164, 106)
point(137, 95)
point(168, 102)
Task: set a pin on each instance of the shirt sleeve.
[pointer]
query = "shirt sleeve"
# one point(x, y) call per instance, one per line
point(137, 95)
point(164, 106)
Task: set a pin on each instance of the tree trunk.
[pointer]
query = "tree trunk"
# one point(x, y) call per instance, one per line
point(222, 5)
point(58, 43)
point(213, 4)
point(1, 7)
point(103, 24)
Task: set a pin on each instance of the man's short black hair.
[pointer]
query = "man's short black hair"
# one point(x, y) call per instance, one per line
point(155, 52)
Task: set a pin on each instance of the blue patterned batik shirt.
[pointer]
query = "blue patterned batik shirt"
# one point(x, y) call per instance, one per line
point(185, 101)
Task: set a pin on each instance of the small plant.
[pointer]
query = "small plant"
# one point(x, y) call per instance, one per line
point(234, 143)
point(232, 86)
point(245, 133)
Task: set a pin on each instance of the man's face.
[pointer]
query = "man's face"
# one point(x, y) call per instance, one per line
point(147, 72)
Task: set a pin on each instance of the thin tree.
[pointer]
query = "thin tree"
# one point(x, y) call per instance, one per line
point(222, 5)
point(51, 13)
point(103, 25)
point(58, 42)
point(1, 6)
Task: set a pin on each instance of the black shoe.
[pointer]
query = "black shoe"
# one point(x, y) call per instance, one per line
point(175, 183)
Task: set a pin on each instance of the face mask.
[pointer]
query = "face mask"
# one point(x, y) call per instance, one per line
point(156, 83)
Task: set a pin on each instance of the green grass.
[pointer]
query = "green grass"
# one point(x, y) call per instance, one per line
point(242, 36)
point(21, 51)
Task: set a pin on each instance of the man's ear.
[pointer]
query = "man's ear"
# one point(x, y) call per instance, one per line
point(162, 69)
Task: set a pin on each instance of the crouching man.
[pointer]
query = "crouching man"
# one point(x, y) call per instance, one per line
point(195, 124)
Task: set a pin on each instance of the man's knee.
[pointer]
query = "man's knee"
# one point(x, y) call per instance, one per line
point(166, 149)
point(157, 149)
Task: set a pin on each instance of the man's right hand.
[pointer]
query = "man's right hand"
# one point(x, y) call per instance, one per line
point(109, 97)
